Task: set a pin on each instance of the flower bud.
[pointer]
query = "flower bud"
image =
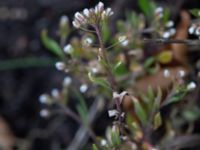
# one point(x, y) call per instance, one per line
point(44, 113)
point(60, 66)
point(79, 17)
point(109, 12)
point(86, 12)
point(83, 88)
point(99, 8)
point(191, 86)
point(76, 24)
point(68, 49)
point(64, 20)
point(67, 81)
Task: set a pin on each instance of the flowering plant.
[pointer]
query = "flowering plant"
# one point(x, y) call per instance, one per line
point(115, 75)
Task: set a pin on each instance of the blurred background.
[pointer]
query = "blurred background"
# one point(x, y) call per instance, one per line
point(27, 68)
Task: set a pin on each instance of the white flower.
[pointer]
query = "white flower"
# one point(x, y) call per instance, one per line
point(169, 24)
point(191, 86)
point(64, 20)
point(44, 113)
point(166, 35)
point(67, 81)
point(86, 12)
point(79, 17)
point(158, 10)
point(99, 8)
point(44, 98)
point(76, 24)
point(55, 93)
point(60, 66)
point(87, 41)
point(166, 73)
point(91, 16)
point(197, 32)
point(109, 12)
point(192, 28)
point(181, 73)
point(125, 43)
point(68, 49)
point(83, 88)
point(172, 31)
point(103, 142)
point(94, 70)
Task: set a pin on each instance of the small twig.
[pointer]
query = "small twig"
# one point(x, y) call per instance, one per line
point(172, 41)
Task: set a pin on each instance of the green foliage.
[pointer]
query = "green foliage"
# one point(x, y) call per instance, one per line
point(105, 31)
point(157, 122)
point(191, 114)
point(177, 95)
point(94, 147)
point(166, 15)
point(140, 112)
point(51, 44)
point(113, 137)
point(81, 107)
point(195, 12)
point(149, 65)
point(120, 69)
point(147, 7)
point(99, 81)
point(28, 62)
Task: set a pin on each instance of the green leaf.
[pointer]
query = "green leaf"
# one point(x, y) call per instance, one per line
point(82, 113)
point(191, 114)
point(150, 93)
point(81, 106)
point(147, 7)
point(140, 112)
point(120, 26)
point(195, 12)
point(115, 138)
point(149, 62)
point(144, 6)
point(94, 147)
point(166, 15)
point(120, 69)
point(51, 44)
point(133, 18)
point(179, 93)
point(157, 121)
point(99, 81)
point(22, 63)
point(105, 31)
point(158, 99)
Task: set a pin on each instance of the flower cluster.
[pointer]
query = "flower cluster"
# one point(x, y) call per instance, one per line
point(194, 29)
point(91, 16)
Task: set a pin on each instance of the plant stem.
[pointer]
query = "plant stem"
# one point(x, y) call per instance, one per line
point(172, 41)
point(104, 56)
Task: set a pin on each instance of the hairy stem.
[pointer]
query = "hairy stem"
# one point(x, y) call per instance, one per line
point(104, 56)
